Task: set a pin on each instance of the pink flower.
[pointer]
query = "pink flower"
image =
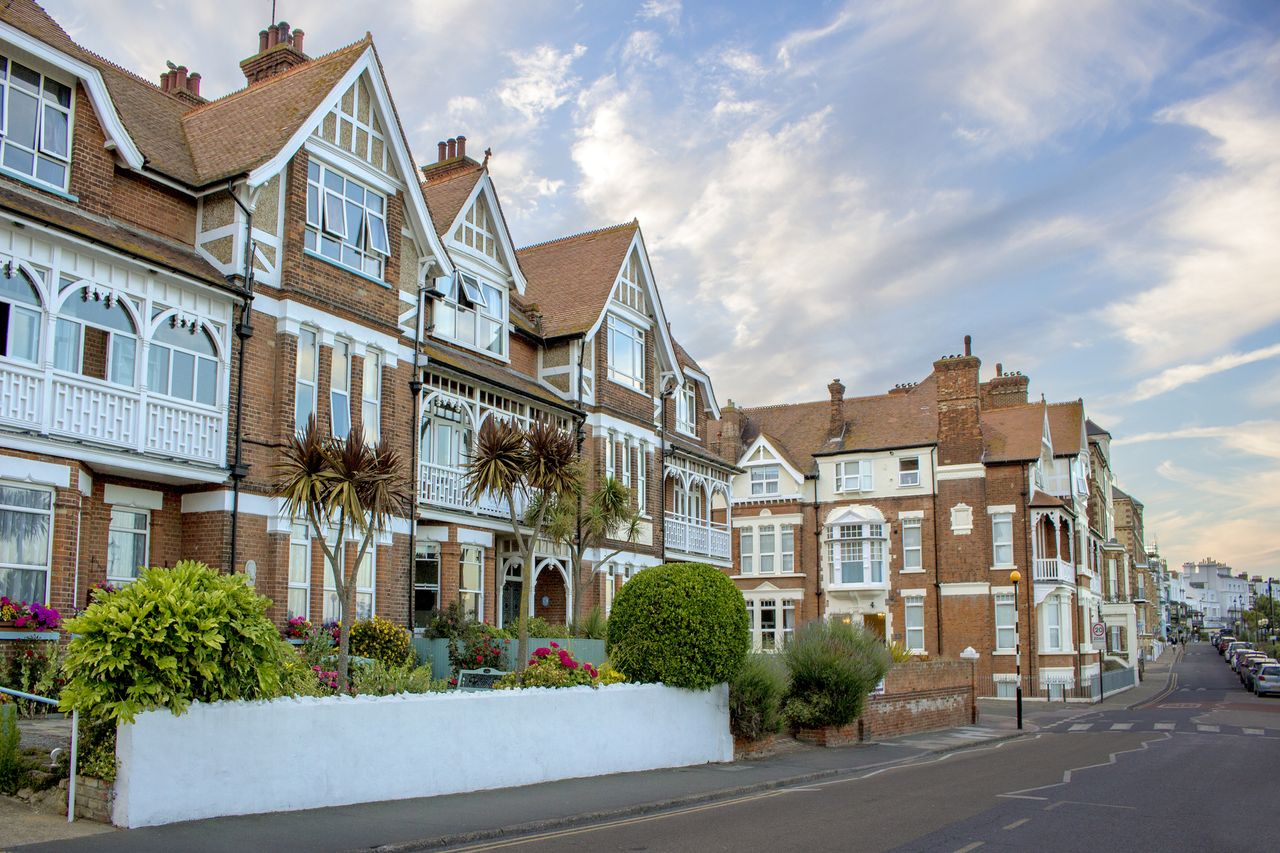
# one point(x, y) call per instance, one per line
point(554, 645)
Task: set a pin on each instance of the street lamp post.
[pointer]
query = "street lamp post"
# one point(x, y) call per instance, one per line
point(1016, 576)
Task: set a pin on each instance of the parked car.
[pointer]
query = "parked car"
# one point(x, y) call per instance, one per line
point(1243, 659)
point(1220, 644)
point(1267, 680)
point(1249, 669)
point(1232, 647)
point(1234, 656)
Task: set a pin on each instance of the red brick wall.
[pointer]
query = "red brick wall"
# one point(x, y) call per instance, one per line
point(921, 696)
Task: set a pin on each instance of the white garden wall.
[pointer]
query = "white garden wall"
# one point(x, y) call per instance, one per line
point(230, 758)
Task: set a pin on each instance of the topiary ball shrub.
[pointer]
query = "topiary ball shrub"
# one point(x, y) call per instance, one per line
point(682, 624)
point(755, 697)
point(172, 637)
point(382, 640)
point(833, 668)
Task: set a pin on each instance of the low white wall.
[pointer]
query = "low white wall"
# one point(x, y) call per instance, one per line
point(230, 758)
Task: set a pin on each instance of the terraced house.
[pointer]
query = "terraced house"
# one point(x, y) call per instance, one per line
point(184, 283)
point(906, 512)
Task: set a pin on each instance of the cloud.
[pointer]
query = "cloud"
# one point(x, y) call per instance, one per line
point(665, 11)
point(1257, 438)
point(542, 82)
point(1183, 374)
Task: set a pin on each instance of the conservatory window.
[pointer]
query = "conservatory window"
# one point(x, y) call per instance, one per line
point(20, 318)
point(95, 337)
point(183, 363)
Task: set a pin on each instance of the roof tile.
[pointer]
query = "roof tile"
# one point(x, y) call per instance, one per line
point(570, 279)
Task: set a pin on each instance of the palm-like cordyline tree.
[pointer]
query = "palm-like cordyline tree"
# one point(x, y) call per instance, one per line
point(342, 485)
point(538, 465)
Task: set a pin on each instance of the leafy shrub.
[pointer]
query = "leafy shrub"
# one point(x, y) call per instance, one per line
point(476, 650)
point(381, 640)
point(755, 697)
point(378, 679)
point(609, 675)
point(833, 668)
point(96, 752)
point(172, 637)
point(684, 624)
point(12, 767)
point(448, 624)
point(316, 648)
point(552, 667)
point(900, 653)
point(544, 630)
point(36, 667)
point(593, 626)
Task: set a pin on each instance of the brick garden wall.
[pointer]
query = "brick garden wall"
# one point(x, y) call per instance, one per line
point(921, 696)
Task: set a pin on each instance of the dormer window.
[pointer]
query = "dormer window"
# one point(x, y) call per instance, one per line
point(473, 313)
point(35, 113)
point(686, 411)
point(630, 290)
point(477, 231)
point(346, 221)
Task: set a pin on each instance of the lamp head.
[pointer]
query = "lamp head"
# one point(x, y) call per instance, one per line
point(1015, 576)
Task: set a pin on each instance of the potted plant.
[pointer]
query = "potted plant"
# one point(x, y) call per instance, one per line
point(30, 617)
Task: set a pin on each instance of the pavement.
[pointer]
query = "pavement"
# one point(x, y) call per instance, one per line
point(478, 817)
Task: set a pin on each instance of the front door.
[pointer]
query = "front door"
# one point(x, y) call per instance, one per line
point(874, 622)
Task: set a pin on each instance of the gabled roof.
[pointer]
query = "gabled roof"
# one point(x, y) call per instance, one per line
point(483, 191)
point(775, 448)
point(273, 110)
point(1013, 434)
point(693, 370)
point(1093, 429)
point(571, 278)
point(1119, 494)
point(446, 187)
point(1065, 420)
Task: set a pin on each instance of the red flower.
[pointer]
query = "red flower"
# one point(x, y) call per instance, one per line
point(554, 645)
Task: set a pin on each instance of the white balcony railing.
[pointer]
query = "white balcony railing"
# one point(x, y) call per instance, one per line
point(444, 486)
point(98, 412)
point(1053, 570)
point(697, 537)
point(858, 574)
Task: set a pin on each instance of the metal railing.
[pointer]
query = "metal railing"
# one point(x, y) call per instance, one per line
point(1091, 688)
point(75, 743)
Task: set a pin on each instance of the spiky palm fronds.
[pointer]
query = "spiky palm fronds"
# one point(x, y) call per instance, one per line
point(497, 463)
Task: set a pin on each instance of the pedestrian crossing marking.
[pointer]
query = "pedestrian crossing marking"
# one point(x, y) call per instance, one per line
point(1081, 727)
point(1204, 728)
point(1165, 727)
point(1254, 731)
point(1121, 727)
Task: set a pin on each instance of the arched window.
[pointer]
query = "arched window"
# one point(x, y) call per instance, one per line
point(95, 337)
point(183, 363)
point(19, 318)
point(446, 436)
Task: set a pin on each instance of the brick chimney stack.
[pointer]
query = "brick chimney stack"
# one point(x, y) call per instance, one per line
point(1005, 389)
point(836, 427)
point(279, 49)
point(183, 86)
point(959, 429)
point(730, 432)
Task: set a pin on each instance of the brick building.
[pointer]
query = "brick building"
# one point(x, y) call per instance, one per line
point(905, 512)
point(159, 248)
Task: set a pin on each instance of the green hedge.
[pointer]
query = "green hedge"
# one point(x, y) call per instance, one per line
point(755, 697)
point(682, 624)
point(833, 668)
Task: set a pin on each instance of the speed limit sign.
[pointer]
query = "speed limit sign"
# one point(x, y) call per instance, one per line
point(1099, 630)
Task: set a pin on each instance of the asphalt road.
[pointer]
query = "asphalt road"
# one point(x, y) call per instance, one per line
point(1192, 769)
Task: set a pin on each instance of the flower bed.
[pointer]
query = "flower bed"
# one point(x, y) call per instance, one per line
point(30, 616)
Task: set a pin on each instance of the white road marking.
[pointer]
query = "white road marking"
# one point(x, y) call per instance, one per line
point(1081, 727)
point(974, 846)
point(1166, 727)
point(1121, 727)
point(1021, 794)
point(1255, 731)
point(1018, 823)
point(1204, 728)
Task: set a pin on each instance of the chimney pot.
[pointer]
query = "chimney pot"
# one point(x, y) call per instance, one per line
point(999, 369)
point(462, 146)
point(297, 40)
point(181, 82)
point(453, 148)
point(262, 41)
point(836, 388)
point(441, 148)
point(164, 82)
point(193, 83)
point(273, 37)
point(968, 348)
point(283, 29)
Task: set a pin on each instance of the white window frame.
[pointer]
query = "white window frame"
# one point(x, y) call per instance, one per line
point(477, 230)
point(68, 321)
point(470, 312)
point(854, 475)
point(642, 477)
point(329, 221)
point(46, 568)
point(629, 338)
point(340, 395)
point(860, 545)
point(371, 398)
point(768, 482)
point(308, 340)
point(686, 410)
point(1001, 546)
point(155, 346)
point(913, 635)
point(784, 623)
point(747, 550)
point(786, 548)
point(629, 290)
point(42, 147)
point(299, 545)
point(478, 589)
point(908, 478)
point(23, 313)
point(426, 552)
point(917, 549)
point(1052, 624)
point(1004, 603)
point(116, 528)
point(365, 601)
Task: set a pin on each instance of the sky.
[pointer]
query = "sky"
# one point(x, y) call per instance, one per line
point(1089, 189)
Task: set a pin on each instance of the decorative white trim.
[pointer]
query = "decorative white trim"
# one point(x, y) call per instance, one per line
point(913, 593)
point(794, 519)
point(911, 514)
point(474, 537)
point(291, 316)
point(86, 483)
point(778, 458)
point(950, 589)
point(129, 496)
point(433, 532)
point(1009, 509)
point(958, 527)
point(911, 571)
point(112, 461)
point(602, 423)
point(967, 471)
point(485, 187)
point(1002, 590)
point(35, 472)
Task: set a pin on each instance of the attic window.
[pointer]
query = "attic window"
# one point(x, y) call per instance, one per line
point(687, 411)
point(35, 113)
point(477, 231)
point(346, 221)
point(629, 290)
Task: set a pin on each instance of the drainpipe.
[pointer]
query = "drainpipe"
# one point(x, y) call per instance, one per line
point(580, 435)
point(817, 542)
point(415, 394)
point(244, 331)
point(937, 568)
point(662, 438)
point(1031, 621)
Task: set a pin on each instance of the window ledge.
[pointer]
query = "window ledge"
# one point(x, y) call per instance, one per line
point(1004, 653)
point(32, 182)
point(911, 571)
point(311, 253)
point(490, 354)
point(628, 386)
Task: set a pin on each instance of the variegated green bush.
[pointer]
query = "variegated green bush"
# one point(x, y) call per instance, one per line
point(172, 637)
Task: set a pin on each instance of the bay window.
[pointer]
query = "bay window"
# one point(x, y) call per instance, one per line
point(642, 465)
point(772, 623)
point(35, 112)
point(1002, 539)
point(304, 386)
point(371, 399)
point(183, 363)
point(346, 222)
point(340, 389)
point(857, 553)
point(26, 527)
point(127, 536)
point(626, 353)
point(687, 411)
point(473, 313)
point(747, 550)
point(20, 317)
point(913, 621)
point(1052, 624)
point(95, 336)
